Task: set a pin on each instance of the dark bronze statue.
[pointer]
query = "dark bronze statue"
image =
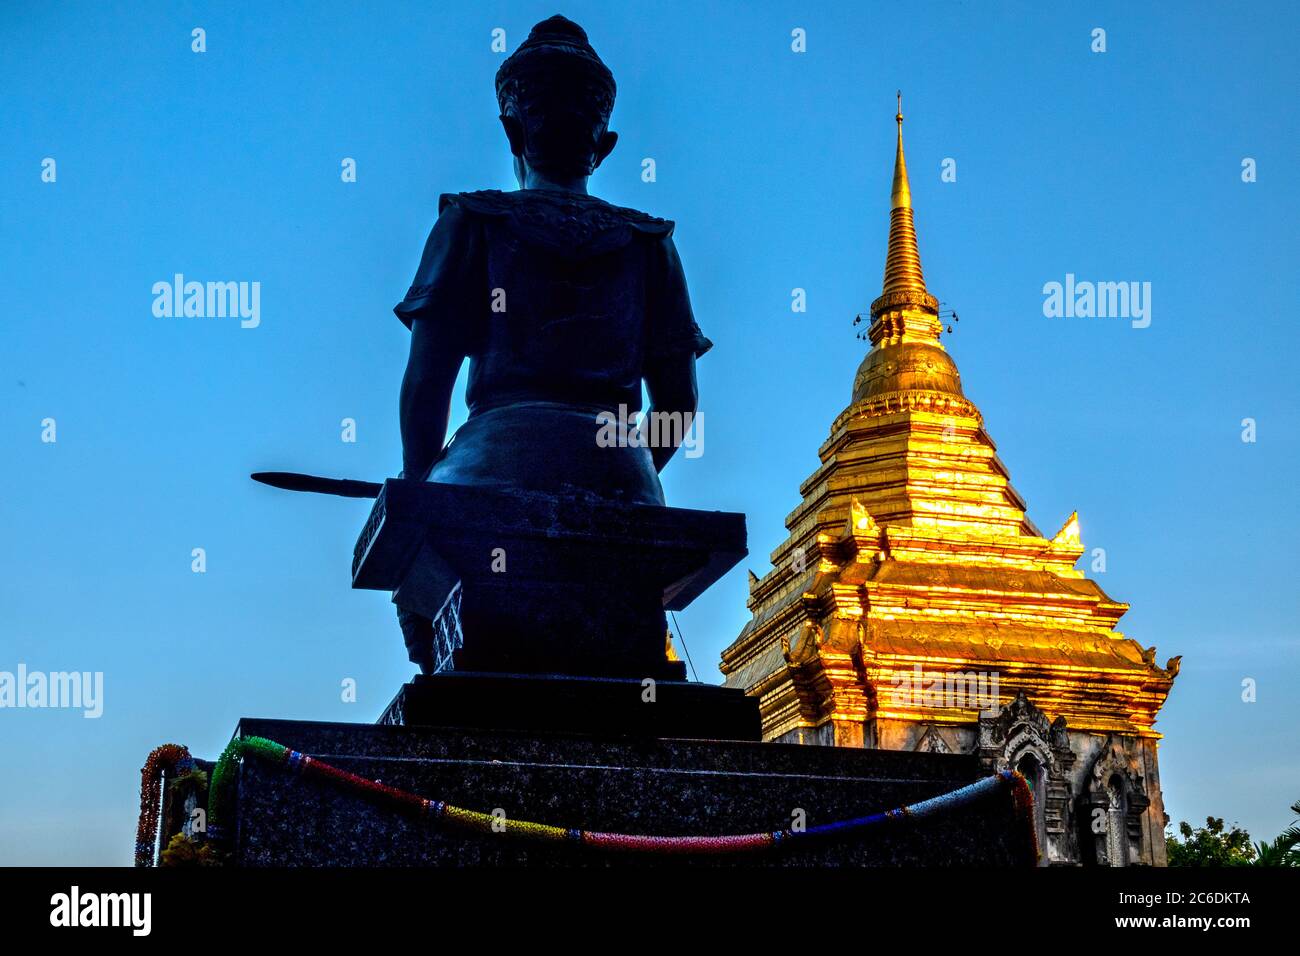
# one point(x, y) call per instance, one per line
point(563, 304)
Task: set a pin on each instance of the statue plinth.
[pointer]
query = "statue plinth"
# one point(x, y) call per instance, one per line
point(530, 583)
point(546, 706)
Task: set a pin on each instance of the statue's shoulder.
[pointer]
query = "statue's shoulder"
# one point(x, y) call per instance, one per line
point(485, 202)
point(553, 216)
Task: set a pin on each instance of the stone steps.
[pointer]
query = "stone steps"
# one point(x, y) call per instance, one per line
point(622, 784)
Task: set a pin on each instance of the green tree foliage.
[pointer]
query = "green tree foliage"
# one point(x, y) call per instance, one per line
point(1210, 845)
point(1215, 845)
point(1285, 850)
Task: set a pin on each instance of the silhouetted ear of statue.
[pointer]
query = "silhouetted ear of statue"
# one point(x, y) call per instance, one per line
point(564, 305)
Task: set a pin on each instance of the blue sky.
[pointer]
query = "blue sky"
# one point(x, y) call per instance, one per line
point(1123, 165)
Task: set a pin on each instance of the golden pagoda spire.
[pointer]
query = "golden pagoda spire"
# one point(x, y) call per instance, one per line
point(928, 573)
point(903, 262)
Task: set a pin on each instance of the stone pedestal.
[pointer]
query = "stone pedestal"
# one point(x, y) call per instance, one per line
point(629, 784)
point(530, 583)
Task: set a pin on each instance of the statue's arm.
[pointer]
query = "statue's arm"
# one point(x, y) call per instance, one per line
point(425, 402)
point(670, 383)
point(439, 311)
point(674, 343)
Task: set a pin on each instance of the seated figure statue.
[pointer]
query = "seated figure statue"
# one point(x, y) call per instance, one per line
point(564, 304)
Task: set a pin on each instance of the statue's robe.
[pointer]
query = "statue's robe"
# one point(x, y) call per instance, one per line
point(560, 301)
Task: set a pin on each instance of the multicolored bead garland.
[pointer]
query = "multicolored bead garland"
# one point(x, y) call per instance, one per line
point(171, 757)
point(473, 821)
point(1022, 801)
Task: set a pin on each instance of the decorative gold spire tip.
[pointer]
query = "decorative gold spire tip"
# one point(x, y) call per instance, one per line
point(901, 196)
point(904, 283)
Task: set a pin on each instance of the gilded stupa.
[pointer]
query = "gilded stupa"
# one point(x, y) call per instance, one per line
point(914, 605)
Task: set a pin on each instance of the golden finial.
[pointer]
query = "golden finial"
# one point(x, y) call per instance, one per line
point(904, 283)
point(901, 196)
point(903, 262)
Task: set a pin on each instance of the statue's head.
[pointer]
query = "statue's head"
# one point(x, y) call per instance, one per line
point(556, 96)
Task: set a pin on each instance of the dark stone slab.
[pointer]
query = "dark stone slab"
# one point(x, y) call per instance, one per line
point(330, 738)
point(540, 583)
point(651, 786)
point(608, 706)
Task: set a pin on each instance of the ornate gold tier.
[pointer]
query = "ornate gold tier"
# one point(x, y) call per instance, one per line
point(837, 624)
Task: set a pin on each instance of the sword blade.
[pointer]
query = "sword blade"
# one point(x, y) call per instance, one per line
point(343, 487)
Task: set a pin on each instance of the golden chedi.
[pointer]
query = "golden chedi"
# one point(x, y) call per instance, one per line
point(914, 606)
